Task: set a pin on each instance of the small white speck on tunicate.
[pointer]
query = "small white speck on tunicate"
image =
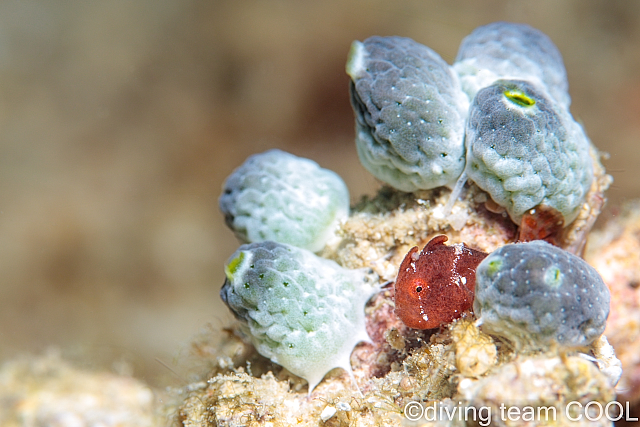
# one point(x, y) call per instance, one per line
point(463, 280)
point(327, 412)
point(426, 318)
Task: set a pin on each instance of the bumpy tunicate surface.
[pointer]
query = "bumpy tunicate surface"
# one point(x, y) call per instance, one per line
point(304, 312)
point(278, 196)
point(505, 50)
point(525, 150)
point(536, 294)
point(410, 113)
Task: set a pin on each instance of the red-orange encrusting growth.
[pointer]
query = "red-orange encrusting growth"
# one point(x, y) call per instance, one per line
point(436, 285)
point(542, 223)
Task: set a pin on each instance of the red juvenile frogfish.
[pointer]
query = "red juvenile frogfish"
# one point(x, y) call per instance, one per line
point(436, 285)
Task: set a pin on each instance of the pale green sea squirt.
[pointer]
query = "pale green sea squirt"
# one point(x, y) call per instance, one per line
point(303, 312)
point(281, 197)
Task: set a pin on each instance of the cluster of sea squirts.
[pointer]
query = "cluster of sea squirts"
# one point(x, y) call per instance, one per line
point(498, 117)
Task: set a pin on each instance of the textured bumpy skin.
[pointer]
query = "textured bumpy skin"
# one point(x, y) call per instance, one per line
point(505, 50)
point(536, 294)
point(303, 312)
point(278, 196)
point(410, 113)
point(526, 150)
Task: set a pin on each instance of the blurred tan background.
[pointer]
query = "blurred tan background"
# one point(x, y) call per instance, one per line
point(119, 121)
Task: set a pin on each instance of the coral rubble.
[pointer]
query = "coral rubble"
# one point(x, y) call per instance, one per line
point(47, 391)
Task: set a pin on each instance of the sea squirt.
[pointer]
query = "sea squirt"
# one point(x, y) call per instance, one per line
point(525, 150)
point(436, 285)
point(303, 312)
point(536, 294)
point(284, 198)
point(410, 112)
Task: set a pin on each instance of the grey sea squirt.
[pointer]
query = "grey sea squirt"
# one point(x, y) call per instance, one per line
point(526, 150)
point(410, 113)
point(536, 294)
point(511, 51)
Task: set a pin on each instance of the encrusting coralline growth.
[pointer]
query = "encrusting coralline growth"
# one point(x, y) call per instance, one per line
point(484, 152)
